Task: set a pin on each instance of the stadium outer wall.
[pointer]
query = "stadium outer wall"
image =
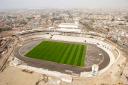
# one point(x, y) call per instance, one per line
point(103, 45)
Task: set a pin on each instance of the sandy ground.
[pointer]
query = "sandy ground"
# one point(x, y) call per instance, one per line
point(15, 76)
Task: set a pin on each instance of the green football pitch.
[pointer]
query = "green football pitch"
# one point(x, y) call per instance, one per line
point(60, 52)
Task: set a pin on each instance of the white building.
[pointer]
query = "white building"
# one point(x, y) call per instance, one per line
point(69, 27)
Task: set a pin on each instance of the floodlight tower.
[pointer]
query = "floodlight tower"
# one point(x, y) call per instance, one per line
point(95, 69)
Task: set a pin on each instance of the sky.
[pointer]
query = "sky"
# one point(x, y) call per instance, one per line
point(38, 4)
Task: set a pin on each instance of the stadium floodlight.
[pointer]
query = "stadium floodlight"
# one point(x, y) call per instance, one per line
point(95, 69)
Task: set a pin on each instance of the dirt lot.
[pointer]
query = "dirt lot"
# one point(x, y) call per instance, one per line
point(14, 76)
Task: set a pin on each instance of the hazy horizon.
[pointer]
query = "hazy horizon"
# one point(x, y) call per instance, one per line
point(39, 4)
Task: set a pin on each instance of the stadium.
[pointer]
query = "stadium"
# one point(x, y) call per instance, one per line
point(59, 53)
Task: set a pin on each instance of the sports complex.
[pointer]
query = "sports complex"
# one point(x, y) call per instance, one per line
point(64, 54)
